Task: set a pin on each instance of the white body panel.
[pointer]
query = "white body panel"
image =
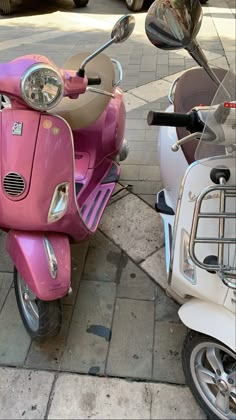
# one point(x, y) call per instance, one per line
point(211, 319)
point(172, 164)
point(208, 286)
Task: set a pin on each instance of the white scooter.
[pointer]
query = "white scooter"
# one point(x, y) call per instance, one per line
point(198, 207)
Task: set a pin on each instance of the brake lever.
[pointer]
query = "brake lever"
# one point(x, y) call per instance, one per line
point(100, 91)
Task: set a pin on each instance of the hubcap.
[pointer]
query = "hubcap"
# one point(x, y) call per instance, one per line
point(222, 385)
point(28, 304)
point(213, 368)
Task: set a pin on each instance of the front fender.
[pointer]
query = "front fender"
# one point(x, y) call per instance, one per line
point(30, 256)
point(211, 319)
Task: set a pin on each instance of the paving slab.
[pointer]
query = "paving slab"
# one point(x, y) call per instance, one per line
point(165, 308)
point(174, 402)
point(24, 394)
point(84, 397)
point(5, 285)
point(119, 192)
point(78, 255)
point(90, 329)
point(102, 260)
point(14, 342)
point(144, 187)
point(149, 199)
point(133, 282)
point(150, 92)
point(130, 352)
point(155, 267)
point(132, 101)
point(5, 261)
point(134, 226)
point(169, 338)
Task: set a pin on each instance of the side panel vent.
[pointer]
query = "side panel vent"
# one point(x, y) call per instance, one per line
point(13, 184)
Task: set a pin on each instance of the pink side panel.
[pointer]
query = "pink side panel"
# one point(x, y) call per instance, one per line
point(28, 253)
point(17, 151)
point(105, 136)
point(53, 164)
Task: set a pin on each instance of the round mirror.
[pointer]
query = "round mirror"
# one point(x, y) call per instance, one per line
point(173, 24)
point(123, 28)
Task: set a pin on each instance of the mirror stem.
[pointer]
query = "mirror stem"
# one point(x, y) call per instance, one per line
point(81, 71)
point(198, 55)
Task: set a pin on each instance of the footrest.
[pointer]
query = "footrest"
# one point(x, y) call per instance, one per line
point(94, 207)
point(162, 207)
point(96, 202)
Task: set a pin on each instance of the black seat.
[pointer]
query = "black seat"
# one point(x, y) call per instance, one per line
point(194, 88)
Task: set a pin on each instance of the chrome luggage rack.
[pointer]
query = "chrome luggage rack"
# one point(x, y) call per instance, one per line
point(226, 271)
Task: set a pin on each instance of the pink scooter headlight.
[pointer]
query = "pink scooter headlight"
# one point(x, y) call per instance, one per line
point(42, 86)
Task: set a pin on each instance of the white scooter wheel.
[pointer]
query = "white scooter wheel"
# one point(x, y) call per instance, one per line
point(41, 319)
point(5, 7)
point(210, 371)
point(134, 5)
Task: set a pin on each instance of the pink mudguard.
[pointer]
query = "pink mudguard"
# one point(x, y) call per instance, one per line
point(28, 253)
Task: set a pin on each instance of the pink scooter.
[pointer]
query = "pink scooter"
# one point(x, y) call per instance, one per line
point(60, 145)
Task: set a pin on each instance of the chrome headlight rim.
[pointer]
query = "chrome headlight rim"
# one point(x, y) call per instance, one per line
point(32, 69)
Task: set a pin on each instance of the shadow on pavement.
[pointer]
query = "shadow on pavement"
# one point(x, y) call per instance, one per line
point(29, 8)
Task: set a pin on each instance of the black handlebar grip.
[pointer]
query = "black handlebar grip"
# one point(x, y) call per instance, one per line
point(171, 119)
point(94, 80)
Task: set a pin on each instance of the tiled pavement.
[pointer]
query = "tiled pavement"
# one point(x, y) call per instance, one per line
point(119, 323)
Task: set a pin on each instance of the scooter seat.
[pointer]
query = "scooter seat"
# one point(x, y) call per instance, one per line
point(87, 108)
point(194, 88)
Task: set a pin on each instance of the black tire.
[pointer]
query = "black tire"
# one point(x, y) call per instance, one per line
point(48, 313)
point(203, 1)
point(5, 7)
point(81, 3)
point(134, 5)
point(200, 352)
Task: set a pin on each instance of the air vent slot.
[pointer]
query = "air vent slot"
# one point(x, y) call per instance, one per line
point(13, 184)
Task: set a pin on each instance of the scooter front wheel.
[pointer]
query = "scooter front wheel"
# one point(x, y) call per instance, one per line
point(210, 371)
point(42, 319)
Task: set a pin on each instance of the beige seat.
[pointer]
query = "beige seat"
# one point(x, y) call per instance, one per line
point(85, 110)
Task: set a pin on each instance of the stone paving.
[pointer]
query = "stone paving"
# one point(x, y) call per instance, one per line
point(118, 323)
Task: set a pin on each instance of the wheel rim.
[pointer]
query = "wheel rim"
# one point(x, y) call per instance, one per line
point(213, 369)
point(28, 303)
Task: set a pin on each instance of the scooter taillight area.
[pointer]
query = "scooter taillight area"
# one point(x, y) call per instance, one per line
point(221, 222)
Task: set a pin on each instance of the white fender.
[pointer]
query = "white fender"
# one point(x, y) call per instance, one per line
point(211, 319)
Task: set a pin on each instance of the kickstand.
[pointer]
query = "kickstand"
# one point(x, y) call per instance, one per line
point(127, 187)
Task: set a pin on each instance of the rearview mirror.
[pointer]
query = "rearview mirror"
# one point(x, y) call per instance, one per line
point(123, 28)
point(174, 24)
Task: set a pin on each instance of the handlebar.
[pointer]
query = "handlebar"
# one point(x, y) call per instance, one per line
point(171, 119)
point(94, 81)
point(175, 119)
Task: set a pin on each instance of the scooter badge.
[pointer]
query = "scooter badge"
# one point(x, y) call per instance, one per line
point(17, 129)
